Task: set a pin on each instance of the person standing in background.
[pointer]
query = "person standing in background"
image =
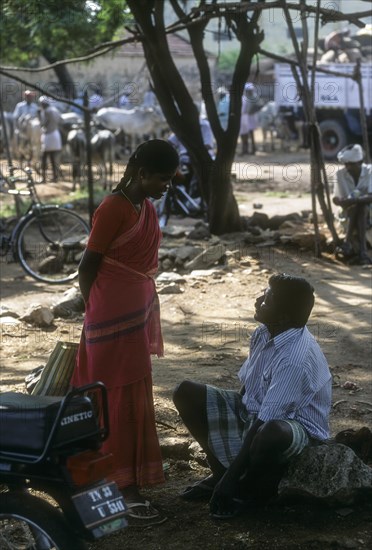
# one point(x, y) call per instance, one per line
point(51, 140)
point(26, 107)
point(223, 106)
point(248, 119)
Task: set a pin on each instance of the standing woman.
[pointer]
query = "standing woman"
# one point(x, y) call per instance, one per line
point(122, 319)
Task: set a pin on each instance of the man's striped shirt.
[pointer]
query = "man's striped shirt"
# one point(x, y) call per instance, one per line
point(287, 377)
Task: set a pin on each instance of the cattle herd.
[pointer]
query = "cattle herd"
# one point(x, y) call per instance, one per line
point(114, 133)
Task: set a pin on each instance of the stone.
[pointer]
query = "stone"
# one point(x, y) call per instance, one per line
point(170, 277)
point(187, 252)
point(172, 288)
point(174, 447)
point(8, 320)
point(174, 232)
point(276, 221)
point(71, 303)
point(200, 232)
point(50, 265)
point(307, 240)
point(6, 312)
point(40, 316)
point(197, 454)
point(202, 273)
point(331, 473)
point(167, 264)
point(260, 219)
point(207, 258)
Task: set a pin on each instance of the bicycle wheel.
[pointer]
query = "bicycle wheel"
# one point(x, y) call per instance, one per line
point(27, 522)
point(50, 244)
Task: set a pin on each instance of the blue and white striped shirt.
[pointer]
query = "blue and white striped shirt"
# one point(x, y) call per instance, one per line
point(287, 377)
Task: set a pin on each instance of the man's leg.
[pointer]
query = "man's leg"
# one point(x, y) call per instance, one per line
point(266, 465)
point(53, 158)
point(43, 166)
point(253, 148)
point(361, 226)
point(347, 247)
point(244, 140)
point(190, 399)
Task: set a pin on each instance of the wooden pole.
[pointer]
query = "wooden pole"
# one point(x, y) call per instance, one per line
point(363, 118)
point(17, 199)
point(87, 119)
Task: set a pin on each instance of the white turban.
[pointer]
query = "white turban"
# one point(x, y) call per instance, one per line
point(44, 99)
point(350, 153)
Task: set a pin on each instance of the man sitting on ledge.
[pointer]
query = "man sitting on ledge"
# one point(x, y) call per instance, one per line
point(353, 193)
point(283, 405)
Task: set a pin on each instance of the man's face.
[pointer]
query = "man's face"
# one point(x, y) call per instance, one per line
point(354, 168)
point(29, 98)
point(265, 309)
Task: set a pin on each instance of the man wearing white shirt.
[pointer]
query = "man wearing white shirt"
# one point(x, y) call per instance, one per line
point(353, 193)
point(283, 405)
point(26, 107)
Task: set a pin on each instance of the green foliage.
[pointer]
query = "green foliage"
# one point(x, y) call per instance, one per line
point(62, 28)
point(227, 60)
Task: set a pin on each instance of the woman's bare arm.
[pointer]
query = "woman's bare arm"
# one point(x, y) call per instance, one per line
point(88, 270)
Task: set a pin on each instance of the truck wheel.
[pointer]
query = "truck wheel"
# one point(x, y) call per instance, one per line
point(333, 138)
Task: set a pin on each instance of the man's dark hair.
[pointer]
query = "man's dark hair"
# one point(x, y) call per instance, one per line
point(294, 295)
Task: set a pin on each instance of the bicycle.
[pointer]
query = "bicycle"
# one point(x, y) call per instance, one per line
point(48, 240)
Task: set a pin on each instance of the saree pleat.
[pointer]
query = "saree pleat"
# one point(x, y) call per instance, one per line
point(133, 439)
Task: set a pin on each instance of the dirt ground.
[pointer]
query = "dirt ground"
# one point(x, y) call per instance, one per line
point(206, 329)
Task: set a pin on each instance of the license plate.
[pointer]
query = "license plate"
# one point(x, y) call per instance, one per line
point(101, 509)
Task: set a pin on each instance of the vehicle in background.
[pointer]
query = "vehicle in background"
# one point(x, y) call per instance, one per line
point(337, 103)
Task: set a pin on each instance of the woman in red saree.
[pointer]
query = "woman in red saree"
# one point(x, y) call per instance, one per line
point(122, 319)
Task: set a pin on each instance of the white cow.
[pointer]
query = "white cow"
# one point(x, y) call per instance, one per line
point(77, 144)
point(28, 139)
point(275, 124)
point(267, 120)
point(133, 122)
point(102, 149)
point(103, 153)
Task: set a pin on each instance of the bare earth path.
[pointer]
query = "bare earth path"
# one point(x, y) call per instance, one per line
point(206, 330)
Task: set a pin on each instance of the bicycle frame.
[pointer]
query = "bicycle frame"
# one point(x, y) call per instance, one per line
point(47, 239)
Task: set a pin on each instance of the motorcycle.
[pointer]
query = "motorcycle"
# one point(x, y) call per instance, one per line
point(53, 489)
point(182, 198)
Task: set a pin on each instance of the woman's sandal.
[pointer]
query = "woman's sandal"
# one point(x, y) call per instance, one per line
point(149, 515)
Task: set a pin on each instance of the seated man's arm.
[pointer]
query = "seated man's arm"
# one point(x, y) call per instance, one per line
point(352, 201)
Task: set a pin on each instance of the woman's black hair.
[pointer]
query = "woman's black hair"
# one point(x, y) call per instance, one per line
point(156, 156)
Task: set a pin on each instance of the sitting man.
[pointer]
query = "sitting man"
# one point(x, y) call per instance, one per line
point(353, 192)
point(284, 403)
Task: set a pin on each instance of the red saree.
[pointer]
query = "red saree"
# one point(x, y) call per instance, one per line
point(121, 330)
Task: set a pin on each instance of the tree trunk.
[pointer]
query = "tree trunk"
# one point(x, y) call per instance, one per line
point(63, 76)
point(178, 106)
point(224, 214)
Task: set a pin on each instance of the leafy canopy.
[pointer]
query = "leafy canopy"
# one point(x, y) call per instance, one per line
point(63, 29)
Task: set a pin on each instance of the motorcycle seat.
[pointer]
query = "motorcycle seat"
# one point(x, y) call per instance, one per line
point(26, 422)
